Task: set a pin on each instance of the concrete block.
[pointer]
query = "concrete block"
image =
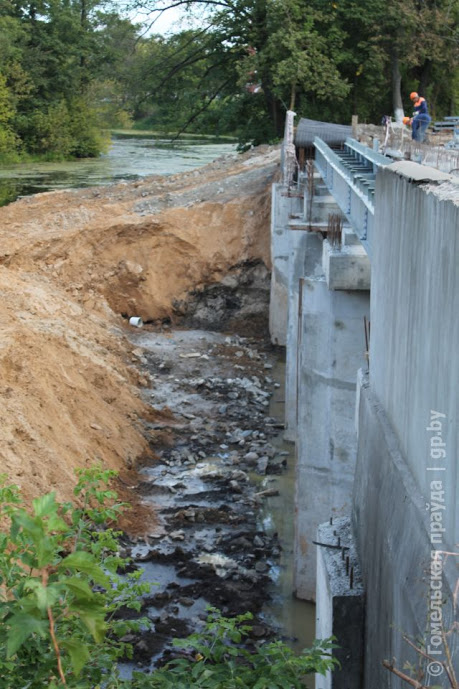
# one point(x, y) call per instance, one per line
point(340, 606)
point(347, 268)
point(348, 237)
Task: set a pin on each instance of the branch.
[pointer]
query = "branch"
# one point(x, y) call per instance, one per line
point(446, 666)
point(56, 647)
point(187, 3)
point(204, 107)
point(212, 67)
point(420, 651)
point(449, 664)
point(171, 73)
point(414, 682)
point(53, 634)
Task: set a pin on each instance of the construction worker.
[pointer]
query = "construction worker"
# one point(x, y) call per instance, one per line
point(421, 118)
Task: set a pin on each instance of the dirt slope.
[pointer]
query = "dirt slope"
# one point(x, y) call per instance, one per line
point(70, 264)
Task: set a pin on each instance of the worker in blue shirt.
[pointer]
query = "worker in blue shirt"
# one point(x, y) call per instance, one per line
point(421, 117)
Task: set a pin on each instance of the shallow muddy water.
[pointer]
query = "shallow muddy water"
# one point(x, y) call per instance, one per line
point(296, 618)
point(222, 489)
point(129, 158)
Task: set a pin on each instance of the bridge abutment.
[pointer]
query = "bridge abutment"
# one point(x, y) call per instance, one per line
point(380, 470)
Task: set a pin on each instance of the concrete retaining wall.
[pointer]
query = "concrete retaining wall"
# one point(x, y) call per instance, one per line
point(415, 322)
point(413, 377)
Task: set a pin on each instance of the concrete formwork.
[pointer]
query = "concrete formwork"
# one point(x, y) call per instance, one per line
point(331, 348)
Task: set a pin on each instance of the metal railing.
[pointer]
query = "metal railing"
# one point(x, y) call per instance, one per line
point(349, 175)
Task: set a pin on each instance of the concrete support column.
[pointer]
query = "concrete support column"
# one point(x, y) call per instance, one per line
point(331, 349)
point(305, 251)
point(340, 604)
point(283, 205)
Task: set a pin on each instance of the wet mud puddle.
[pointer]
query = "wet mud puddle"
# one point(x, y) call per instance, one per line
point(215, 488)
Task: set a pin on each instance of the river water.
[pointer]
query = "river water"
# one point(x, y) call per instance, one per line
point(130, 157)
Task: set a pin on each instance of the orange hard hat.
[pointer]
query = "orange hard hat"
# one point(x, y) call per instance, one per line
point(413, 95)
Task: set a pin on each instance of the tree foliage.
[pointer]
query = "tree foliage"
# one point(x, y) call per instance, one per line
point(69, 68)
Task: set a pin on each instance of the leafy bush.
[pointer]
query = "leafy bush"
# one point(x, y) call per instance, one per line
point(59, 590)
point(60, 594)
point(219, 661)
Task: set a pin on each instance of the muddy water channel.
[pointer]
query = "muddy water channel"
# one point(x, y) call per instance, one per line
point(222, 488)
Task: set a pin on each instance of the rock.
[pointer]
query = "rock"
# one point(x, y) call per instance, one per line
point(251, 457)
point(177, 535)
point(270, 492)
point(261, 567)
point(258, 542)
point(235, 487)
point(262, 465)
point(141, 646)
point(187, 602)
point(258, 631)
point(239, 476)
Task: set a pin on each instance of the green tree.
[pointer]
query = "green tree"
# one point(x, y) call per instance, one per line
point(8, 139)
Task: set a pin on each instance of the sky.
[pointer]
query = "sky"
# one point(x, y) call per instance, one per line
point(169, 22)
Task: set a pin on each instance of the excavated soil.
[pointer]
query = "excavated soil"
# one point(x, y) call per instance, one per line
point(74, 265)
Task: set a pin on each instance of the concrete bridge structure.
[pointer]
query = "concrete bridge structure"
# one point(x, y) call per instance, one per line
point(365, 297)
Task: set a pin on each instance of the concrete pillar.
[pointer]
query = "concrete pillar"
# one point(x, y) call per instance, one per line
point(305, 252)
point(340, 604)
point(331, 350)
point(283, 205)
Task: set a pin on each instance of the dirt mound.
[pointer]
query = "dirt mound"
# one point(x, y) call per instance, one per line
point(72, 264)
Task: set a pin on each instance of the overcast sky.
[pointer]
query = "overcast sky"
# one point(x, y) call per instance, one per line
point(171, 21)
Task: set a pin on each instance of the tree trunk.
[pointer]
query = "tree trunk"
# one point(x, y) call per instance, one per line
point(397, 88)
point(424, 78)
point(292, 96)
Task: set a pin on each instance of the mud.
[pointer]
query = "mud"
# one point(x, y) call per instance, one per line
point(216, 457)
point(238, 303)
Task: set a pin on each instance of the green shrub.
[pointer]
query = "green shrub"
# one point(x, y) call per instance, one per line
point(60, 594)
point(219, 661)
point(59, 590)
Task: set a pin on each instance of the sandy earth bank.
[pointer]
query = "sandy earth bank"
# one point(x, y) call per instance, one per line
point(70, 264)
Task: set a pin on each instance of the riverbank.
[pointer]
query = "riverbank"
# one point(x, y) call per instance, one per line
point(74, 265)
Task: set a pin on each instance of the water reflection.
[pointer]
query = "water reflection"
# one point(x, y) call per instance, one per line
point(295, 617)
point(129, 158)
